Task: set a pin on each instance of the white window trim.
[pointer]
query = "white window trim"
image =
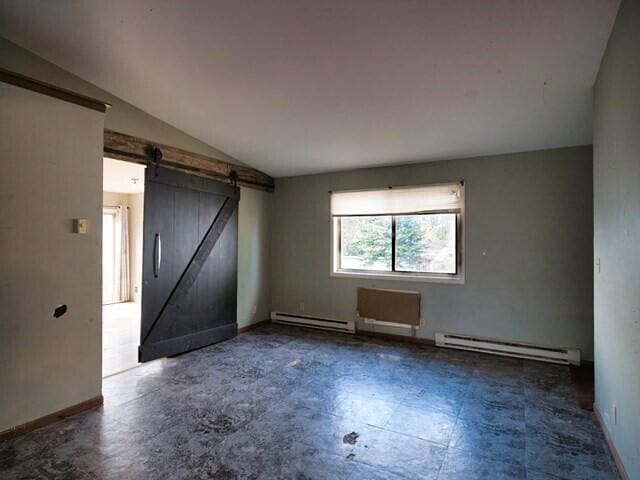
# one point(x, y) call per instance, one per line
point(458, 279)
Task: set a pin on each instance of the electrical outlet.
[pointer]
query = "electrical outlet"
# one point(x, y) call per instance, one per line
point(254, 310)
point(614, 413)
point(598, 264)
point(302, 306)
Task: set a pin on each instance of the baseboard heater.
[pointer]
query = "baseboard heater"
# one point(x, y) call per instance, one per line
point(565, 356)
point(345, 326)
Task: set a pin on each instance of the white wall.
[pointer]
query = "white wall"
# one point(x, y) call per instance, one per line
point(50, 173)
point(136, 220)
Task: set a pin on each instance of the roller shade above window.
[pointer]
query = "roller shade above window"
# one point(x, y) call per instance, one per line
point(398, 200)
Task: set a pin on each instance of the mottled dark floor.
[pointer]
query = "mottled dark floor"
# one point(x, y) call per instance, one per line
point(282, 403)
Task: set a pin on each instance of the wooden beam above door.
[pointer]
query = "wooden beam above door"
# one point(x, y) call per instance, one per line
point(134, 149)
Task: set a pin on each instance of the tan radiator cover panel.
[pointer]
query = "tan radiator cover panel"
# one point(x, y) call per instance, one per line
point(394, 306)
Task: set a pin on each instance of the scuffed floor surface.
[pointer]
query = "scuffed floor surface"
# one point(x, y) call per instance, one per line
point(282, 403)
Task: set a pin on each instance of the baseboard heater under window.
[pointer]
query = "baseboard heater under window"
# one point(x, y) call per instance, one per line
point(565, 356)
point(320, 323)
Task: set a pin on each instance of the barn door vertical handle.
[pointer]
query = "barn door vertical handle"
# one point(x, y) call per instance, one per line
point(157, 253)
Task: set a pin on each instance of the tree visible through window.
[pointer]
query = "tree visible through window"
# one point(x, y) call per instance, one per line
point(422, 243)
point(426, 243)
point(366, 243)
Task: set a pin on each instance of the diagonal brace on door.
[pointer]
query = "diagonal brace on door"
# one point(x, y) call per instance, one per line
point(191, 272)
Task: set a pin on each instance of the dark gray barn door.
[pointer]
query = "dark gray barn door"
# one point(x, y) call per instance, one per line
point(189, 266)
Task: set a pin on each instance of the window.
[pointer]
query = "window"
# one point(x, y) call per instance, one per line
point(366, 243)
point(402, 232)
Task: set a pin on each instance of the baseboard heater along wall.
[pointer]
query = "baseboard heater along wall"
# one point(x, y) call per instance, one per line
point(565, 356)
point(345, 326)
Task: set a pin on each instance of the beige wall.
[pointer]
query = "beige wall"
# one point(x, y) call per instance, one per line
point(136, 220)
point(135, 202)
point(616, 171)
point(126, 118)
point(44, 367)
point(254, 257)
point(123, 117)
point(528, 248)
point(50, 173)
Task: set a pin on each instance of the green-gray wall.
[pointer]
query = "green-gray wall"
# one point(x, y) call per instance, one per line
point(528, 247)
point(617, 235)
point(253, 261)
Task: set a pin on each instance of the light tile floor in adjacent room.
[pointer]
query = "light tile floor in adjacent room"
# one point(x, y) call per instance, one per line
point(120, 337)
point(284, 403)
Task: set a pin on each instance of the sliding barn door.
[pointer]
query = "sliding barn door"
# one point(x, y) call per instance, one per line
point(189, 263)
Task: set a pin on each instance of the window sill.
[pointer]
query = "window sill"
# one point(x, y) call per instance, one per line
point(402, 277)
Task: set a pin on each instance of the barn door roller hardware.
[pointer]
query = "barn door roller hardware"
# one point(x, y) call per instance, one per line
point(134, 149)
point(233, 178)
point(155, 157)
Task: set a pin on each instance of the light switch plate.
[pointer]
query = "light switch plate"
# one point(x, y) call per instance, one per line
point(80, 225)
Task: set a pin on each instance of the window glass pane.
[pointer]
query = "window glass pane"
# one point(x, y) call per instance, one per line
point(426, 243)
point(365, 243)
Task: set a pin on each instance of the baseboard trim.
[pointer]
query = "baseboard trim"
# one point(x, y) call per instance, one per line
point(362, 333)
point(248, 328)
point(612, 447)
point(397, 338)
point(51, 418)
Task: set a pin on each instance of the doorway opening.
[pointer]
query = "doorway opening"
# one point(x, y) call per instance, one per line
point(122, 234)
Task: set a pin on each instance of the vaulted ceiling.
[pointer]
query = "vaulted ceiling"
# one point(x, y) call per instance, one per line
point(303, 86)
